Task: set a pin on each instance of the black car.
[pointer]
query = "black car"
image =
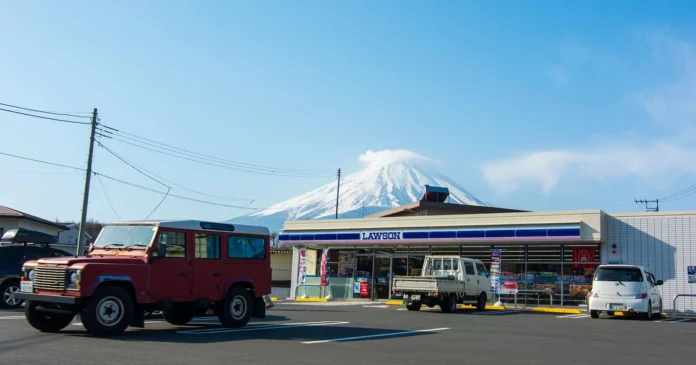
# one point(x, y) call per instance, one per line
point(13, 254)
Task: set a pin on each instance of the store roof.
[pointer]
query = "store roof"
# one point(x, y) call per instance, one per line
point(441, 209)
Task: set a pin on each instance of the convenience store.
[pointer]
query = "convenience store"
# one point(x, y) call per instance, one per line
point(554, 254)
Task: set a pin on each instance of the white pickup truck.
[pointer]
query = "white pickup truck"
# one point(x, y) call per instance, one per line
point(446, 281)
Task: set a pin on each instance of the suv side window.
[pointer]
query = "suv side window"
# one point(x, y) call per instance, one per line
point(207, 246)
point(10, 255)
point(469, 268)
point(481, 269)
point(174, 243)
point(244, 247)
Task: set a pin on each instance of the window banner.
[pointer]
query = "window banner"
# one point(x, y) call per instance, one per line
point(324, 267)
point(302, 272)
point(496, 262)
point(583, 257)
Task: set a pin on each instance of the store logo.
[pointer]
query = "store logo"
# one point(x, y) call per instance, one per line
point(381, 236)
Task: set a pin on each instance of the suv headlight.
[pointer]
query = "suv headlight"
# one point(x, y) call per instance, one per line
point(31, 275)
point(75, 278)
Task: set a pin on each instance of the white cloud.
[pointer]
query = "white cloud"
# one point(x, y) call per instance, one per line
point(389, 156)
point(673, 105)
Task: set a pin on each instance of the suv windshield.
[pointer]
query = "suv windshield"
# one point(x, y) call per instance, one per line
point(125, 236)
point(619, 274)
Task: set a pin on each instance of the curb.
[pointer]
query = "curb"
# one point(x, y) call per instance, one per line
point(275, 299)
point(464, 306)
point(311, 300)
point(557, 310)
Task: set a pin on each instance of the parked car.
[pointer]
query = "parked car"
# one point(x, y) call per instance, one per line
point(446, 281)
point(19, 246)
point(182, 268)
point(625, 288)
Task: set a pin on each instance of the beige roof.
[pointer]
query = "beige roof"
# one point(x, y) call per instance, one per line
point(13, 213)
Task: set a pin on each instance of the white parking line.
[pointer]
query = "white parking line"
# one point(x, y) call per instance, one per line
point(146, 322)
point(673, 320)
point(208, 331)
point(574, 316)
point(376, 336)
point(12, 317)
point(375, 306)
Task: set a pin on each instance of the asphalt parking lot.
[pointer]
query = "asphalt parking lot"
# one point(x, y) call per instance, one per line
point(364, 334)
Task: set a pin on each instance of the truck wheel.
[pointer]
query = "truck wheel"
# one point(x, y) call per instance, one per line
point(481, 304)
point(8, 289)
point(109, 312)
point(414, 307)
point(46, 322)
point(236, 310)
point(179, 315)
point(449, 304)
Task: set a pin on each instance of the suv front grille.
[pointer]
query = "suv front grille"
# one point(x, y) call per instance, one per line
point(51, 278)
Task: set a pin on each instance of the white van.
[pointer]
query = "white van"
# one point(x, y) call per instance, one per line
point(624, 288)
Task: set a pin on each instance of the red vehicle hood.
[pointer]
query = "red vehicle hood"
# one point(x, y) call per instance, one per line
point(92, 260)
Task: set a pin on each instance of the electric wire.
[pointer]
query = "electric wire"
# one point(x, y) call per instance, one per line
point(38, 116)
point(160, 203)
point(45, 112)
point(41, 161)
point(107, 198)
point(131, 165)
point(680, 194)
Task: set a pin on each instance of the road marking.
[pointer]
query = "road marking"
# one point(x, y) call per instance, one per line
point(260, 327)
point(12, 317)
point(146, 322)
point(574, 316)
point(674, 320)
point(376, 336)
point(375, 306)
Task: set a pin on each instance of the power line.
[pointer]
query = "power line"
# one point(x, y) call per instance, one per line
point(205, 161)
point(123, 134)
point(680, 194)
point(43, 162)
point(160, 203)
point(172, 182)
point(45, 112)
point(131, 165)
point(107, 198)
point(176, 196)
point(38, 116)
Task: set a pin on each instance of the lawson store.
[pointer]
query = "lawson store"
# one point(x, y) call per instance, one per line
point(548, 258)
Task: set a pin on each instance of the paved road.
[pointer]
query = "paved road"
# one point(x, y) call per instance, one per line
point(360, 334)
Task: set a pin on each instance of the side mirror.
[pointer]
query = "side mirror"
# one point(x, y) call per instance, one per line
point(660, 282)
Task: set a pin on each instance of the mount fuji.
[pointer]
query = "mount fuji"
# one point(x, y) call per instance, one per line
point(390, 179)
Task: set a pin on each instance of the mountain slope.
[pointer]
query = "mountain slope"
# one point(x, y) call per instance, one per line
point(390, 179)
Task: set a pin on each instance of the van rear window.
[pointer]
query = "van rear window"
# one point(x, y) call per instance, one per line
point(619, 274)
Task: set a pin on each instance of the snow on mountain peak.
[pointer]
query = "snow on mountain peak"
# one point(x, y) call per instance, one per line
point(391, 178)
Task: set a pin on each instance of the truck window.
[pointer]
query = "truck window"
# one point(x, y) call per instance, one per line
point(242, 247)
point(469, 268)
point(455, 264)
point(207, 246)
point(481, 270)
point(446, 264)
point(174, 243)
point(437, 264)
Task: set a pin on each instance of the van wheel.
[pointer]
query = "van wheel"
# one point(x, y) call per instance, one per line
point(594, 314)
point(413, 307)
point(236, 309)
point(481, 305)
point(46, 322)
point(179, 315)
point(449, 304)
point(109, 312)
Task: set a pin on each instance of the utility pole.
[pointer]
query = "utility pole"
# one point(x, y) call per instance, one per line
point(85, 197)
point(338, 188)
point(656, 208)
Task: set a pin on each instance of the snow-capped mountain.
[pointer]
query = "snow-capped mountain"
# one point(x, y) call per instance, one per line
point(390, 179)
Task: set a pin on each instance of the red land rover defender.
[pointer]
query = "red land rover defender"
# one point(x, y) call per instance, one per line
point(183, 268)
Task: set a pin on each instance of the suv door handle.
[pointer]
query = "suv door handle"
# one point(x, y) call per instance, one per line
point(183, 274)
point(217, 274)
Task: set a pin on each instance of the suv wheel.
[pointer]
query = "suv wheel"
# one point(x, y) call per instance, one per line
point(179, 315)
point(481, 305)
point(46, 322)
point(236, 309)
point(109, 312)
point(9, 301)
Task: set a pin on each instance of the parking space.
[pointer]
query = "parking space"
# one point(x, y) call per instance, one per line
point(346, 334)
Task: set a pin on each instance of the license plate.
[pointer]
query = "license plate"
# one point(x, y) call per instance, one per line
point(26, 286)
point(617, 307)
point(415, 297)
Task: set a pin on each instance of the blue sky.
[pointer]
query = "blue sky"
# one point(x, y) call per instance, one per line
point(541, 106)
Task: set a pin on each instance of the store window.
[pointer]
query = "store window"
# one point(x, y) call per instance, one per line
point(477, 252)
point(445, 250)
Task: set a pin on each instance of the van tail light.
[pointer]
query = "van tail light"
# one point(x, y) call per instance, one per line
point(642, 296)
point(594, 294)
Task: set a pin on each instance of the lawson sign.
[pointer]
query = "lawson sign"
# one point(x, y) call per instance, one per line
point(381, 236)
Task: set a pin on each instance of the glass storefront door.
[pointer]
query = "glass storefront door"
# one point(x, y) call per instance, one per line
point(382, 277)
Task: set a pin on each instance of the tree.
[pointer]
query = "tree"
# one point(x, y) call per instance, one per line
point(274, 239)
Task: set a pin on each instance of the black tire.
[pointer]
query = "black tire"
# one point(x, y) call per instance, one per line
point(7, 290)
point(594, 314)
point(649, 315)
point(413, 307)
point(236, 309)
point(46, 322)
point(481, 305)
point(449, 304)
point(179, 315)
point(109, 312)
point(610, 313)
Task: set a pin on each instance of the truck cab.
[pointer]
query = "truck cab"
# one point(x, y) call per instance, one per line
point(446, 280)
point(182, 268)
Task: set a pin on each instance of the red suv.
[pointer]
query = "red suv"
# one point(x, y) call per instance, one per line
point(183, 268)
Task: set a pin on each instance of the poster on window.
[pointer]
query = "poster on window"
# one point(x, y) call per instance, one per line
point(583, 256)
point(495, 271)
point(509, 287)
point(324, 267)
point(302, 269)
point(691, 274)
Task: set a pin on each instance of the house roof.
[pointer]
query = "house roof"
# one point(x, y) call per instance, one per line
point(455, 208)
point(7, 212)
